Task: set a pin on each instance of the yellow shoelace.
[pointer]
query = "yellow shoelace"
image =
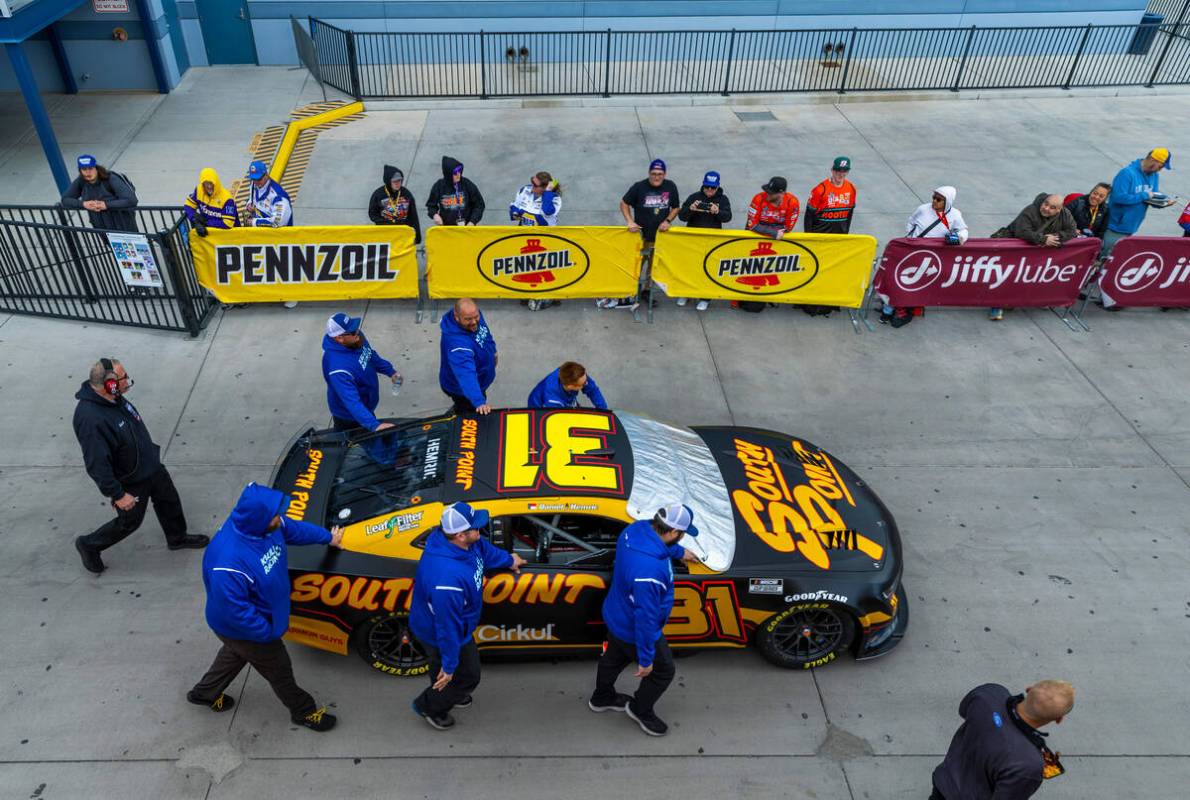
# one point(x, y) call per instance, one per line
point(316, 716)
point(218, 704)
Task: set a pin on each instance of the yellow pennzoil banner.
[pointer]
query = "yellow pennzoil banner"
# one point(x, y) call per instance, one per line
point(809, 268)
point(334, 262)
point(532, 262)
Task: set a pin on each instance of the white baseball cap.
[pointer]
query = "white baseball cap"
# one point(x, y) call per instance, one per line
point(679, 517)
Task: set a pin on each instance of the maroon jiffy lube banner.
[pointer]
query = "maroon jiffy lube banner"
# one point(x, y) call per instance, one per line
point(1148, 271)
point(984, 272)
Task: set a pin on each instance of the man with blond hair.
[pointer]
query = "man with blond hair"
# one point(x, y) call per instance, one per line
point(999, 752)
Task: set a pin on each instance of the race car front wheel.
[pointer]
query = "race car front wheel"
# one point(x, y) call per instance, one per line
point(387, 645)
point(805, 636)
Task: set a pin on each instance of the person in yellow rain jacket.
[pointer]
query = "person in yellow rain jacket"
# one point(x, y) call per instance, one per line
point(210, 205)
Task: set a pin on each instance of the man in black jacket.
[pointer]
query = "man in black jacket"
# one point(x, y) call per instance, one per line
point(107, 196)
point(454, 200)
point(393, 204)
point(999, 751)
point(125, 463)
point(706, 208)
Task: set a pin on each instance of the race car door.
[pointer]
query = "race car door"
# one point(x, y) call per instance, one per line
point(556, 602)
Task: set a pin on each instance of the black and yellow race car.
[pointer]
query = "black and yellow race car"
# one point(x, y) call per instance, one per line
point(798, 556)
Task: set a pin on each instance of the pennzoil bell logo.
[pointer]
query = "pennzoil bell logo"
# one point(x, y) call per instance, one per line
point(533, 262)
point(761, 266)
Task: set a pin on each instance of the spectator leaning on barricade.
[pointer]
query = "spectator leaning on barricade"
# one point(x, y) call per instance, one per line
point(937, 219)
point(772, 212)
point(1045, 223)
point(210, 205)
point(1090, 211)
point(709, 207)
point(649, 206)
point(349, 367)
point(999, 752)
point(393, 204)
point(454, 200)
point(537, 203)
point(467, 357)
point(269, 205)
point(125, 463)
point(560, 388)
point(832, 202)
point(1133, 190)
point(108, 196)
point(246, 575)
point(446, 605)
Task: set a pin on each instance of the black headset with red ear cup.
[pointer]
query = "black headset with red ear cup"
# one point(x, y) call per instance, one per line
point(111, 381)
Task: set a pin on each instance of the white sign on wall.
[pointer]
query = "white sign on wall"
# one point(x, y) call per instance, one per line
point(110, 6)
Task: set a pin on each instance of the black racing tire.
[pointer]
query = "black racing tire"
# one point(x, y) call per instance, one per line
point(386, 644)
point(806, 635)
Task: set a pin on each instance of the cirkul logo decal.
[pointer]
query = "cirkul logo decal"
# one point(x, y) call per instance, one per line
point(917, 270)
point(754, 266)
point(533, 263)
point(1138, 272)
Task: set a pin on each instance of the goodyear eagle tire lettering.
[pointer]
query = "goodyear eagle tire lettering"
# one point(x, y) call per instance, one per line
point(806, 635)
point(386, 644)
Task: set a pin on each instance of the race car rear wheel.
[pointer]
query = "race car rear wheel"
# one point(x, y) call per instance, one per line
point(806, 635)
point(387, 645)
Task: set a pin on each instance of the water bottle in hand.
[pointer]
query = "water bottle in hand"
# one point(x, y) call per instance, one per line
point(397, 381)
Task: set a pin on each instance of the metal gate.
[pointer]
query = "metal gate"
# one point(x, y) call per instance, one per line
point(54, 264)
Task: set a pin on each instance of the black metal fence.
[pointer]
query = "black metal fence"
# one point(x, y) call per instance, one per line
point(399, 65)
point(54, 264)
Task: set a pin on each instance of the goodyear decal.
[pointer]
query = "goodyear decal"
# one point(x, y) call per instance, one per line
point(761, 266)
point(303, 263)
point(304, 482)
point(533, 262)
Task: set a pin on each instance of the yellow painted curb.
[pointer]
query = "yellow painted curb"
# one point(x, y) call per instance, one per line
point(295, 128)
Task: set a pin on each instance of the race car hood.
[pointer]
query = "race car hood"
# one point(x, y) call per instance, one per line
point(795, 505)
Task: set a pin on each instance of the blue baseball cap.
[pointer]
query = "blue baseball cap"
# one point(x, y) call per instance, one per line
point(340, 324)
point(679, 517)
point(257, 170)
point(657, 163)
point(711, 179)
point(87, 161)
point(462, 517)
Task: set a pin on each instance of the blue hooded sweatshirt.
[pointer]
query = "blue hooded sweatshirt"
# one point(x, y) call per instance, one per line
point(1126, 208)
point(352, 389)
point(551, 394)
point(244, 567)
point(448, 593)
point(468, 360)
point(642, 591)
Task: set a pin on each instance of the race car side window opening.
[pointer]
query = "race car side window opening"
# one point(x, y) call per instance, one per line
point(562, 540)
point(382, 472)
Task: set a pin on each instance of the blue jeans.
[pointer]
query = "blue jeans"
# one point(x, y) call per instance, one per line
point(1110, 238)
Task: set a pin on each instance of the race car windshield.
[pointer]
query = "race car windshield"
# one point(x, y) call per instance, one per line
point(383, 472)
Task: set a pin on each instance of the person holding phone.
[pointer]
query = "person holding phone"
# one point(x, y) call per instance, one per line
point(709, 207)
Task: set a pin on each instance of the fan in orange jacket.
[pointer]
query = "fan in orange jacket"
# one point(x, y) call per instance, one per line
point(773, 211)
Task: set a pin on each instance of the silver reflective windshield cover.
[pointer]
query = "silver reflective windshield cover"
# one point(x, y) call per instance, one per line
point(673, 464)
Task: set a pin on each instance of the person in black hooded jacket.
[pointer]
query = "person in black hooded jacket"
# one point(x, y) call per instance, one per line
point(393, 204)
point(125, 463)
point(454, 200)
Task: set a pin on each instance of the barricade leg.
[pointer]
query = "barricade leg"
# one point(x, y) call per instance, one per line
point(644, 290)
point(423, 290)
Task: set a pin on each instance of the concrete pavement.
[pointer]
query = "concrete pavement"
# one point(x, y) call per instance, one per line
point(1039, 476)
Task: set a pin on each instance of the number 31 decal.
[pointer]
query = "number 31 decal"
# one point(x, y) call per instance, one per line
point(550, 447)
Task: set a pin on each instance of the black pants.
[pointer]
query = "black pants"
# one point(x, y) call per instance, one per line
point(341, 424)
point(270, 659)
point(466, 678)
point(620, 654)
point(936, 795)
point(166, 505)
point(461, 404)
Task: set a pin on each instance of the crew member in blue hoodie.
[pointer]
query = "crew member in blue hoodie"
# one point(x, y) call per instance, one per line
point(1133, 190)
point(560, 388)
point(350, 366)
point(447, 601)
point(246, 577)
point(636, 610)
point(468, 357)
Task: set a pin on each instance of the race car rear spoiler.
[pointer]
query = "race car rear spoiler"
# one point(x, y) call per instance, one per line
point(306, 472)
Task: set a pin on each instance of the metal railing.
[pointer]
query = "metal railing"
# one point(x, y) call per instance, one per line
point(486, 64)
point(54, 264)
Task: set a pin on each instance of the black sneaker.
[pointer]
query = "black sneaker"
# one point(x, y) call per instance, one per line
point(620, 703)
point(651, 724)
point(91, 560)
point(218, 705)
point(465, 702)
point(192, 541)
point(442, 722)
point(319, 720)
